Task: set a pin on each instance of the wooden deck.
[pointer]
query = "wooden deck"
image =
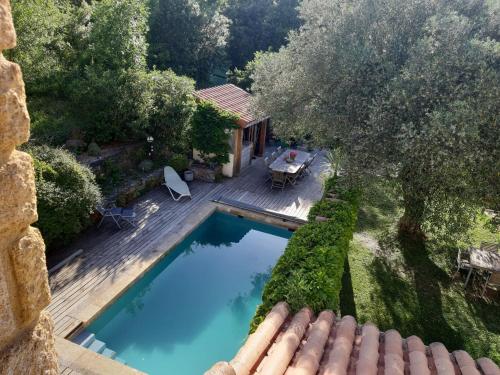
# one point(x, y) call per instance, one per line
point(108, 251)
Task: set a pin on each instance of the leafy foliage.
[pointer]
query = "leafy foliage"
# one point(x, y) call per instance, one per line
point(67, 194)
point(111, 75)
point(309, 273)
point(41, 47)
point(171, 111)
point(187, 37)
point(243, 77)
point(179, 162)
point(210, 134)
point(89, 62)
point(258, 25)
point(407, 89)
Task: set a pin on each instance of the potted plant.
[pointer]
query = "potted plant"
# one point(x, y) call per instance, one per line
point(293, 155)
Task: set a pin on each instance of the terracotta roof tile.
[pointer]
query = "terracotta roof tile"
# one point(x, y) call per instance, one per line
point(230, 98)
point(326, 345)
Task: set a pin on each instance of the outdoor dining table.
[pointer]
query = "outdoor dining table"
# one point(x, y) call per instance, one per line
point(291, 167)
point(483, 260)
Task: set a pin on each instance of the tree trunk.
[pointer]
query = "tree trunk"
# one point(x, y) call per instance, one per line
point(411, 222)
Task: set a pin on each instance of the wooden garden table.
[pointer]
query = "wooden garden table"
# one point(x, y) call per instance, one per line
point(281, 165)
point(483, 260)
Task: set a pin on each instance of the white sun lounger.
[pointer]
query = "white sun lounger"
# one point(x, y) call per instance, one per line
point(175, 185)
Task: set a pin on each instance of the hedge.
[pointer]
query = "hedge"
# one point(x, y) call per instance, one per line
point(67, 194)
point(309, 273)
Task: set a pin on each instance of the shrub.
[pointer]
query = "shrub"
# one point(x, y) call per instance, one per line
point(210, 132)
point(309, 273)
point(93, 149)
point(171, 111)
point(179, 162)
point(67, 194)
point(109, 176)
point(146, 165)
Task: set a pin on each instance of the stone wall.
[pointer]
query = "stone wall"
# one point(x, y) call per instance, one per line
point(26, 331)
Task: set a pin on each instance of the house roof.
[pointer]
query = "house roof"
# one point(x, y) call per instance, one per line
point(326, 345)
point(232, 99)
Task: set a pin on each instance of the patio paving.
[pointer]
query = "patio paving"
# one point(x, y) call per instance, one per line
point(110, 253)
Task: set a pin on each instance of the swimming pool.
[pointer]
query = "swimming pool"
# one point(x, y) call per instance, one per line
point(194, 307)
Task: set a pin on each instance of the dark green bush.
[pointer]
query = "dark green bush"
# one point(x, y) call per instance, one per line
point(67, 194)
point(309, 273)
point(109, 176)
point(93, 149)
point(179, 162)
point(171, 111)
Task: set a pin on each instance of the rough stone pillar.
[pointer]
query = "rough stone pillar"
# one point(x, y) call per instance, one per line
point(26, 331)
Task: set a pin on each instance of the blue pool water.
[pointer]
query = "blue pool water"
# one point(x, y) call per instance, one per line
point(194, 307)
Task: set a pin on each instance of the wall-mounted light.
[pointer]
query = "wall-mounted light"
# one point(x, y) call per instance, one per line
point(150, 140)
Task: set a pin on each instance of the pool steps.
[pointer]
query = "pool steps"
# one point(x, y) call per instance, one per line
point(89, 341)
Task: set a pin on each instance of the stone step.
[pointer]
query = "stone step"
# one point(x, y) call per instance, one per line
point(89, 341)
point(109, 353)
point(122, 361)
point(84, 339)
point(97, 346)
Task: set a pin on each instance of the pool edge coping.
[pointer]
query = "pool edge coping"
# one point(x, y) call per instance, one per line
point(87, 310)
point(113, 288)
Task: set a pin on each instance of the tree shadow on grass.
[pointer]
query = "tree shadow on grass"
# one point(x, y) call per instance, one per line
point(380, 205)
point(428, 282)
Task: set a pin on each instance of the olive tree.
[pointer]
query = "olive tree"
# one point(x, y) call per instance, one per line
point(408, 88)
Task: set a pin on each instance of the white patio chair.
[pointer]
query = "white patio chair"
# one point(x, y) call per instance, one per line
point(274, 155)
point(175, 185)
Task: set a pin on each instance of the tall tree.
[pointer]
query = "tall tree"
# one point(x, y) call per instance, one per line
point(258, 25)
point(109, 88)
point(40, 43)
point(187, 37)
point(409, 88)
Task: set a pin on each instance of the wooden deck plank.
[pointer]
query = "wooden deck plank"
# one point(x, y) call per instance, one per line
point(108, 251)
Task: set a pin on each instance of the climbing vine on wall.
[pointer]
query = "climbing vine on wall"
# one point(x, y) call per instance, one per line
point(210, 132)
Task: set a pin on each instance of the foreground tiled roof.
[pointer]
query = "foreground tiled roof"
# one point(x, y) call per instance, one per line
point(230, 98)
point(308, 345)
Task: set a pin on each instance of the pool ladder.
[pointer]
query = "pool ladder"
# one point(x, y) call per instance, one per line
point(89, 341)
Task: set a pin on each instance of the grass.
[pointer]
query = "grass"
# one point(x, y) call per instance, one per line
point(408, 285)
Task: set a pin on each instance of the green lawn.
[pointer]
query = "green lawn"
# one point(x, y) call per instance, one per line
point(408, 286)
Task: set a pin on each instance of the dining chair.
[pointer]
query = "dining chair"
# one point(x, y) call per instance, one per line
point(274, 155)
point(269, 174)
point(492, 282)
point(488, 246)
point(278, 180)
point(309, 162)
point(463, 261)
point(293, 177)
